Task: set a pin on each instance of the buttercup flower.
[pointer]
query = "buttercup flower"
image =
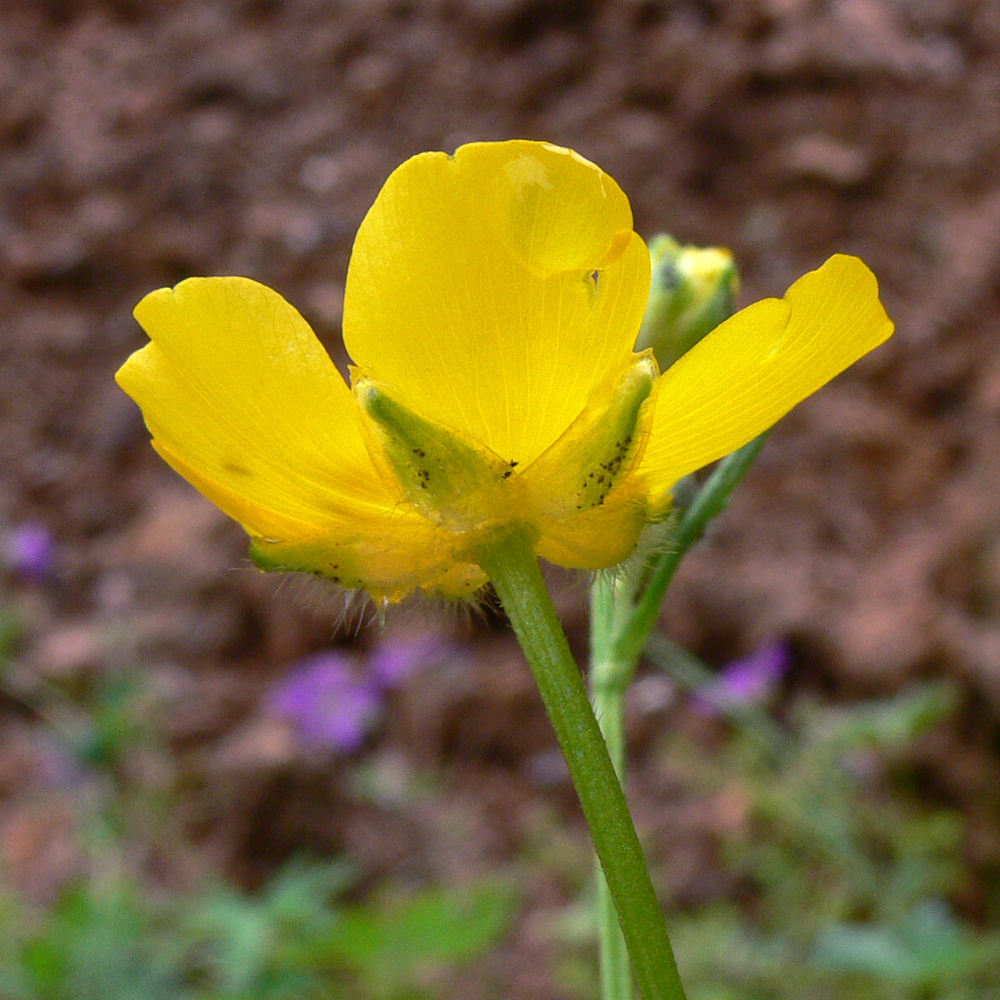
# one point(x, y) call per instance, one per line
point(491, 307)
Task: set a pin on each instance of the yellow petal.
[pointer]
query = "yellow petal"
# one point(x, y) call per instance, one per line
point(388, 552)
point(751, 370)
point(235, 384)
point(243, 401)
point(496, 289)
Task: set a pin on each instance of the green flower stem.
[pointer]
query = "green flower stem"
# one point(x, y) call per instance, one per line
point(510, 563)
point(710, 501)
point(620, 627)
point(607, 693)
point(616, 974)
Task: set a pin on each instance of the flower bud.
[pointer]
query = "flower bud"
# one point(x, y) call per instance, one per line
point(693, 290)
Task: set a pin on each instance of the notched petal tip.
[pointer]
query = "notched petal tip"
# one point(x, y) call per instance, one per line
point(555, 211)
point(195, 294)
point(151, 303)
point(752, 369)
point(469, 290)
point(843, 292)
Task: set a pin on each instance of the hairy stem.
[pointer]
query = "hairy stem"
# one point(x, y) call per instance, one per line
point(511, 565)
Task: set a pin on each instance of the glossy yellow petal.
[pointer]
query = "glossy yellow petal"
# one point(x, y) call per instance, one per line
point(235, 384)
point(388, 552)
point(751, 370)
point(243, 401)
point(496, 289)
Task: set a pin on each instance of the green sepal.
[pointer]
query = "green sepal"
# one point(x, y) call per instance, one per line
point(598, 449)
point(316, 559)
point(452, 480)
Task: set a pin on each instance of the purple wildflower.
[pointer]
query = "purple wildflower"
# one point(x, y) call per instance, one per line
point(746, 681)
point(395, 660)
point(29, 551)
point(330, 706)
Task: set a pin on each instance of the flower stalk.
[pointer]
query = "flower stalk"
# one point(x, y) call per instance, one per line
point(497, 412)
point(609, 680)
point(692, 291)
point(710, 501)
point(510, 563)
point(621, 622)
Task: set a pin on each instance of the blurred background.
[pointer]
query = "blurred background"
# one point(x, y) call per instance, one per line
point(219, 784)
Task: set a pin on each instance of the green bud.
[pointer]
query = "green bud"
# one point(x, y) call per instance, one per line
point(693, 290)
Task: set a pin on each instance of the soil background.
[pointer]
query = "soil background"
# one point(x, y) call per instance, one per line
point(141, 143)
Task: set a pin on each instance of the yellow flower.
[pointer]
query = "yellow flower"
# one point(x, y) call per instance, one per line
point(491, 307)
